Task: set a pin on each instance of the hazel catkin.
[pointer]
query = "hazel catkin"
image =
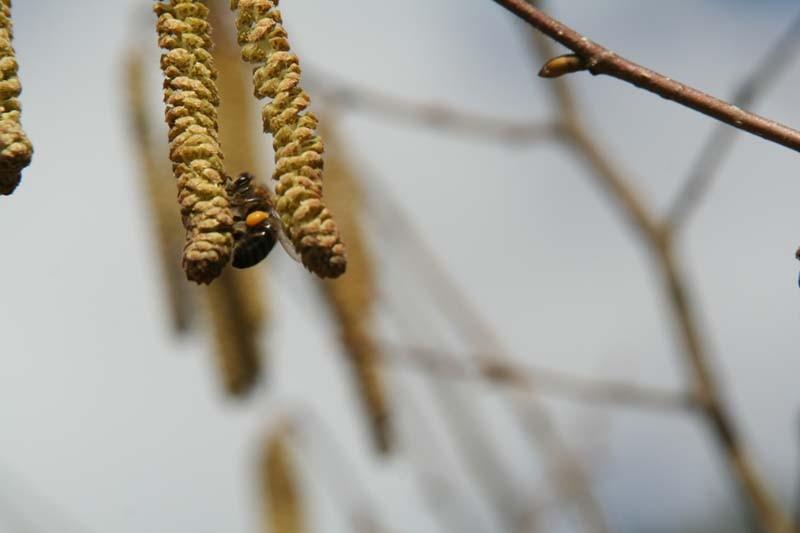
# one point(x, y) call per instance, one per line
point(298, 149)
point(283, 497)
point(15, 147)
point(157, 180)
point(352, 298)
point(191, 99)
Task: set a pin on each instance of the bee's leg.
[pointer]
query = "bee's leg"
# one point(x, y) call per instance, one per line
point(239, 229)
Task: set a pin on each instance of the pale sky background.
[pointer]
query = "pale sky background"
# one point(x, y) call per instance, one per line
point(125, 430)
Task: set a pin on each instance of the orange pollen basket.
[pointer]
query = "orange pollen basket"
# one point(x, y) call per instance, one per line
point(255, 218)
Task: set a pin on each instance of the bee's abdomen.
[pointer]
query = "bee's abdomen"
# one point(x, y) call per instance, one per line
point(252, 249)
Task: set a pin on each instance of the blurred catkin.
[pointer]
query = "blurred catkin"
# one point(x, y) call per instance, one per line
point(191, 98)
point(236, 319)
point(160, 190)
point(351, 297)
point(282, 498)
point(236, 301)
point(15, 148)
point(298, 149)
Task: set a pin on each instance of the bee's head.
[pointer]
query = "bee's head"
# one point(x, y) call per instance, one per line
point(243, 180)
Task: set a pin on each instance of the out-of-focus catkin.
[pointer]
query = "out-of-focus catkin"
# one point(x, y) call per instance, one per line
point(236, 300)
point(191, 98)
point(351, 297)
point(283, 505)
point(236, 324)
point(159, 188)
point(15, 147)
point(298, 149)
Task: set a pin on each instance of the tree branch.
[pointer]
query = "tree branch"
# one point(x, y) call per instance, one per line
point(600, 60)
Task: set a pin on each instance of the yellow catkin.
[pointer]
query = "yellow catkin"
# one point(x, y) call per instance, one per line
point(298, 149)
point(191, 97)
point(159, 189)
point(282, 497)
point(15, 148)
point(236, 301)
point(351, 298)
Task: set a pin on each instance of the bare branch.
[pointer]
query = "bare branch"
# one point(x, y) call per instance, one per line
point(432, 115)
point(709, 159)
point(600, 60)
point(537, 380)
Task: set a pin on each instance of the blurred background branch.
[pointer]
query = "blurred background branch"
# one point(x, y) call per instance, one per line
point(339, 95)
point(657, 237)
point(712, 154)
point(537, 380)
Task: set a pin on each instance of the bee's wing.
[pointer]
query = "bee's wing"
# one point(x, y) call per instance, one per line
point(283, 238)
point(287, 245)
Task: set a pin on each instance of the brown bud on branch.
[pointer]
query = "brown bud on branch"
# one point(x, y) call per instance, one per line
point(560, 65)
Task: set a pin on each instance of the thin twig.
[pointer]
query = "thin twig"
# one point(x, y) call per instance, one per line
point(14, 488)
point(720, 423)
point(437, 116)
point(600, 60)
point(318, 441)
point(533, 417)
point(709, 158)
point(537, 380)
point(441, 492)
point(464, 421)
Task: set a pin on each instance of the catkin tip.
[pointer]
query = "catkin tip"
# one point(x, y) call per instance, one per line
point(202, 270)
point(326, 262)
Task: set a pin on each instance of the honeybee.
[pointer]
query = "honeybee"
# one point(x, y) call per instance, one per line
point(257, 226)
